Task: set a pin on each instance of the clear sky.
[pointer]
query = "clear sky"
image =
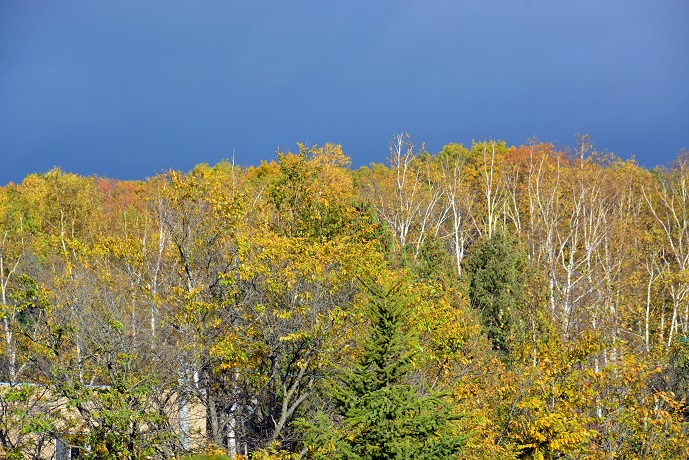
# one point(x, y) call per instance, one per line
point(130, 88)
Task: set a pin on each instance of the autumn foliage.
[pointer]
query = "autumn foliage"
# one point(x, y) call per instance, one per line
point(482, 302)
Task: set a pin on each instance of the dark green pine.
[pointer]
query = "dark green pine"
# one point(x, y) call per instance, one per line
point(384, 416)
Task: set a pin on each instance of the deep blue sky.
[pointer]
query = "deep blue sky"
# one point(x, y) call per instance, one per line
point(130, 88)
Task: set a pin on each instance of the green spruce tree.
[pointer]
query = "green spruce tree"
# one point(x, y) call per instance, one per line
point(497, 272)
point(381, 415)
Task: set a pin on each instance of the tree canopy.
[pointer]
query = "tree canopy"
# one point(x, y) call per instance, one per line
point(481, 302)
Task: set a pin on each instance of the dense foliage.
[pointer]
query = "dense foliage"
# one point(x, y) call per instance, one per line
point(381, 415)
point(481, 302)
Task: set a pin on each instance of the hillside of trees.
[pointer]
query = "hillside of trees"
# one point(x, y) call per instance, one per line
point(482, 302)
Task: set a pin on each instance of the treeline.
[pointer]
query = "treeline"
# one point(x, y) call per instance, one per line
point(535, 300)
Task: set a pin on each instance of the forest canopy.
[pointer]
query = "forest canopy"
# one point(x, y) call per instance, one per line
point(484, 301)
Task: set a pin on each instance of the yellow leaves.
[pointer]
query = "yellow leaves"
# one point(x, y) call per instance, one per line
point(231, 351)
point(312, 193)
point(192, 311)
point(550, 433)
point(7, 310)
point(531, 403)
point(550, 404)
point(274, 452)
point(329, 154)
point(295, 336)
point(283, 314)
point(567, 440)
point(444, 328)
point(283, 261)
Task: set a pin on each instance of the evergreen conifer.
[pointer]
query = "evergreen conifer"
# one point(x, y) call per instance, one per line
point(382, 415)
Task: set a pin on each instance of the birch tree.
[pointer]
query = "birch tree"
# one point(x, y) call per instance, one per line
point(407, 196)
point(668, 201)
